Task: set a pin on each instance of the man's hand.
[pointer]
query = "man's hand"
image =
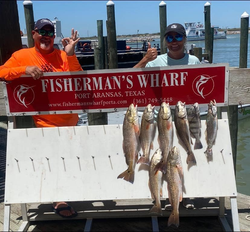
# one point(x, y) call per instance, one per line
point(34, 71)
point(150, 55)
point(70, 42)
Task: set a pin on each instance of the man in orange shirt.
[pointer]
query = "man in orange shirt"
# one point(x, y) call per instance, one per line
point(43, 57)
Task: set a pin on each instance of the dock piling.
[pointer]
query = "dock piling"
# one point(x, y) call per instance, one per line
point(163, 24)
point(29, 19)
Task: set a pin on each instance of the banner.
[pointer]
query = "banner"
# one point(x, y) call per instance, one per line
point(115, 89)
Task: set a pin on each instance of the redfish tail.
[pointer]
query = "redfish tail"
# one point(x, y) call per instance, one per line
point(191, 158)
point(127, 175)
point(156, 210)
point(209, 152)
point(198, 144)
point(143, 160)
point(174, 219)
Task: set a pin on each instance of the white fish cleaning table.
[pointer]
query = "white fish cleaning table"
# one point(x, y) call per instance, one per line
point(82, 163)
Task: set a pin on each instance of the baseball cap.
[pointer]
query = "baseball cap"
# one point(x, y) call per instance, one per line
point(175, 27)
point(43, 22)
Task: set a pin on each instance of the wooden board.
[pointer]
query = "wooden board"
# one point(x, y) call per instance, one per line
point(93, 176)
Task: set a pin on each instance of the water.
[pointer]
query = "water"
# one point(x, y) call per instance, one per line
point(243, 157)
point(227, 51)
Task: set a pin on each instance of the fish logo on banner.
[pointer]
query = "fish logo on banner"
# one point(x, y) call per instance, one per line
point(24, 95)
point(203, 85)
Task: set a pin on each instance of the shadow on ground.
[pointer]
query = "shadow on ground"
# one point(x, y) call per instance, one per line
point(3, 140)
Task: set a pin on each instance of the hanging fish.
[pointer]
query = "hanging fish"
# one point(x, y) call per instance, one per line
point(155, 182)
point(131, 145)
point(174, 178)
point(211, 128)
point(147, 134)
point(165, 132)
point(182, 130)
point(194, 121)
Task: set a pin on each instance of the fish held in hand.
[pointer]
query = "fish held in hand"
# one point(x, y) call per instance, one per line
point(174, 177)
point(147, 134)
point(131, 145)
point(155, 182)
point(165, 131)
point(182, 130)
point(194, 121)
point(211, 128)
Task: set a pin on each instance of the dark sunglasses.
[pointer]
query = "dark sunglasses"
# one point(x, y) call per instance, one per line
point(178, 38)
point(43, 32)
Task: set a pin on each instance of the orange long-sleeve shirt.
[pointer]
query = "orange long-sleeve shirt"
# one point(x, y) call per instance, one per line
point(57, 61)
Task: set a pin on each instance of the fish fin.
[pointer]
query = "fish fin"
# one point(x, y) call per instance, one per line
point(159, 167)
point(209, 152)
point(143, 160)
point(205, 134)
point(181, 197)
point(137, 129)
point(127, 175)
point(174, 219)
point(144, 167)
point(191, 141)
point(156, 210)
point(198, 144)
point(180, 170)
point(151, 146)
point(161, 192)
point(191, 158)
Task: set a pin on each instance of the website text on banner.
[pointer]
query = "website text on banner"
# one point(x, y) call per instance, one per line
point(116, 89)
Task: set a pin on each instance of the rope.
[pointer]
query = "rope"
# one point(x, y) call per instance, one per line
point(248, 217)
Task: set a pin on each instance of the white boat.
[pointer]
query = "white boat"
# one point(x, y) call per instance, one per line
point(196, 32)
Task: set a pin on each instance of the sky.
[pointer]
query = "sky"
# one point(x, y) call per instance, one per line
point(133, 16)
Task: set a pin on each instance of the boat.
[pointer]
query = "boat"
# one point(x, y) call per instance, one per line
point(196, 31)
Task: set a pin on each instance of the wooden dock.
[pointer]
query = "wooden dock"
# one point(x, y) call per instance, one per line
point(187, 223)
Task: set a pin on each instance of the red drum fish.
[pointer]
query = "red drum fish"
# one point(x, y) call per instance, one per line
point(147, 134)
point(155, 182)
point(182, 130)
point(174, 178)
point(131, 145)
point(166, 131)
point(212, 127)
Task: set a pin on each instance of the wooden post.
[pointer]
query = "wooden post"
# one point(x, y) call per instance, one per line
point(244, 40)
point(10, 38)
point(207, 30)
point(211, 46)
point(99, 118)
point(233, 110)
point(198, 53)
point(29, 18)
point(163, 25)
point(105, 40)
point(10, 35)
point(100, 43)
point(111, 35)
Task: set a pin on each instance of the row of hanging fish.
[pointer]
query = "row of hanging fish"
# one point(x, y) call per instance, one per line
point(166, 161)
point(187, 124)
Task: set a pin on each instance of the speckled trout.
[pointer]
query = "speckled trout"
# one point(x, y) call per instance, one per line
point(182, 130)
point(174, 178)
point(155, 182)
point(211, 127)
point(147, 134)
point(165, 132)
point(194, 121)
point(131, 145)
